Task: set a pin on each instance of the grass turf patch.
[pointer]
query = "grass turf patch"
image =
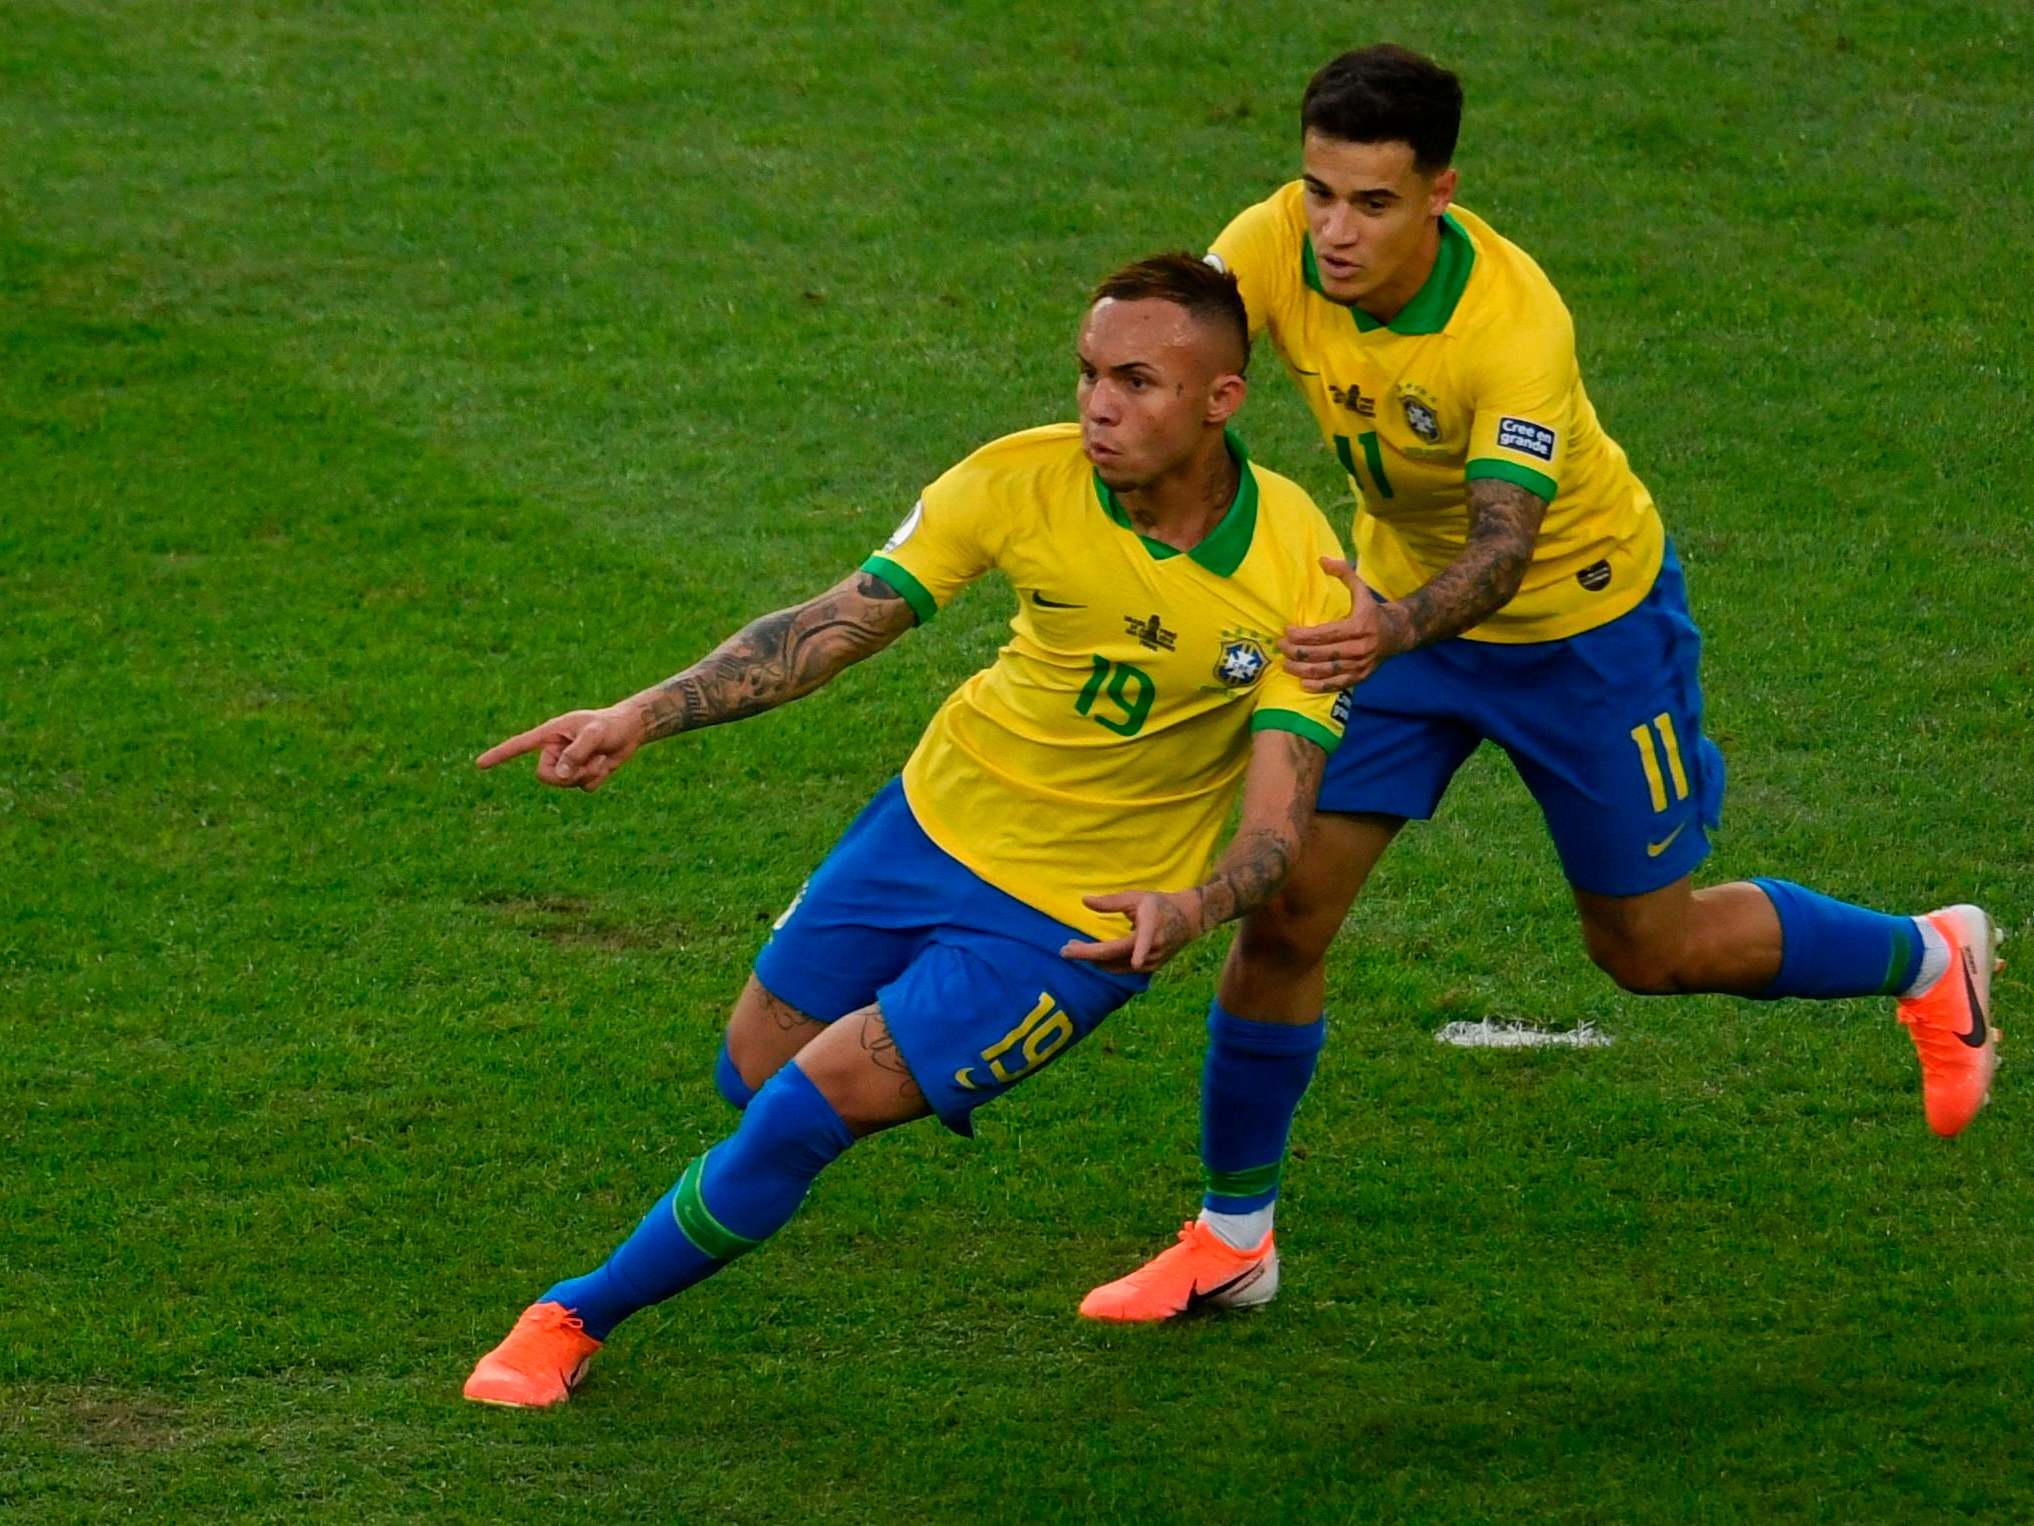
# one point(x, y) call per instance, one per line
point(374, 381)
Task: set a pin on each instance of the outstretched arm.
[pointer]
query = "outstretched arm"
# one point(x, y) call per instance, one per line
point(771, 660)
point(1504, 522)
point(1278, 803)
point(778, 657)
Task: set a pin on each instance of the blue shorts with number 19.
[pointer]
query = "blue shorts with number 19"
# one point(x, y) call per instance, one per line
point(969, 978)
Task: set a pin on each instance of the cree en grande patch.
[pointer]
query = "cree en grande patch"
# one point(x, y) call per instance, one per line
point(1525, 437)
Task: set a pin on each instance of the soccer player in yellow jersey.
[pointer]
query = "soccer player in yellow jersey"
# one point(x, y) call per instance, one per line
point(973, 924)
point(1512, 583)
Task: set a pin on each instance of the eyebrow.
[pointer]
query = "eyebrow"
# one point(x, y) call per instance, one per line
point(1120, 369)
point(1361, 193)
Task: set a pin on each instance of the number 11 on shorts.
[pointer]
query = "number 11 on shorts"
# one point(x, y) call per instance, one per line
point(1649, 759)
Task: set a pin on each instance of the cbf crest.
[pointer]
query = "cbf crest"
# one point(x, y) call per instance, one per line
point(1243, 659)
point(1422, 413)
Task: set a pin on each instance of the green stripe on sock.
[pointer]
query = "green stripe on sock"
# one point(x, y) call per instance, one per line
point(1245, 1183)
point(699, 1225)
point(1905, 962)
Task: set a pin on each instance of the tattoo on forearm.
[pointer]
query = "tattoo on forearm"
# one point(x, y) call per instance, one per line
point(1258, 860)
point(1504, 521)
point(780, 657)
point(1175, 928)
point(1308, 764)
point(1261, 855)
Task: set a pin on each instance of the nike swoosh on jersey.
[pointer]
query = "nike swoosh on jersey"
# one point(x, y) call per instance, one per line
point(1044, 603)
point(1655, 849)
point(1976, 1037)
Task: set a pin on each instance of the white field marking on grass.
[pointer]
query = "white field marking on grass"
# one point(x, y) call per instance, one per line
point(1496, 1033)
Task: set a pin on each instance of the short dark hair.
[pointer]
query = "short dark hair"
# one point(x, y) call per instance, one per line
point(1387, 94)
point(1209, 294)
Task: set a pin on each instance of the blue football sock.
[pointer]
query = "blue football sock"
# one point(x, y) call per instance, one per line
point(729, 1200)
point(1251, 1083)
point(1831, 948)
point(729, 1080)
point(648, 1267)
point(752, 1182)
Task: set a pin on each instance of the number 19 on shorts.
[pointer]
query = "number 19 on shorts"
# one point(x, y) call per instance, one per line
point(1047, 1028)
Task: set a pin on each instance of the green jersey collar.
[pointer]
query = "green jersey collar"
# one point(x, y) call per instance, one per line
point(1223, 549)
point(1434, 303)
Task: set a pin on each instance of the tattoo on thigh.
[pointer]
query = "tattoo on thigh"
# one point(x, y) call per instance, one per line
point(881, 1047)
point(787, 1017)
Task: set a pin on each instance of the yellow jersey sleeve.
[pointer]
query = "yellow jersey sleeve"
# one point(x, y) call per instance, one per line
point(1282, 702)
point(951, 537)
point(1259, 250)
point(1522, 392)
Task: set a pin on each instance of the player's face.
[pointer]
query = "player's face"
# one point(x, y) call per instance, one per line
point(1151, 382)
point(1370, 213)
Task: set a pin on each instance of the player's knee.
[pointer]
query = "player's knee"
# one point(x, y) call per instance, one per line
point(763, 1033)
point(792, 1125)
point(1286, 937)
point(746, 1062)
point(1644, 968)
point(729, 1081)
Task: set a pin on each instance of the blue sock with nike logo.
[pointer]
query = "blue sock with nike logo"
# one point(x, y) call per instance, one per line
point(1251, 1084)
point(1831, 948)
point(729, 1200)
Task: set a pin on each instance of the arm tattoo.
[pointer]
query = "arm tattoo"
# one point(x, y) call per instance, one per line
point(1262, 852)
point(779, 657)
point(1255, 866)
point(1174, 930)
point(1504, 521)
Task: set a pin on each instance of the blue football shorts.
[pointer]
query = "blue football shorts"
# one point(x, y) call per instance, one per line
point(1605, 728)
point(970, 979)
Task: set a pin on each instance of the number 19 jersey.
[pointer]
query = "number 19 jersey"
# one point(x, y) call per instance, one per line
point(1103, 748)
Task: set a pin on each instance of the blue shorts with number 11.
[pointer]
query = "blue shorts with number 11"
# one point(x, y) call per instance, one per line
point(1605, 728)
point(970, 979)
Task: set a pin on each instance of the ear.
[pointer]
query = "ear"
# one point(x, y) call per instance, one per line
point(1225, 396)
point(1443, 193)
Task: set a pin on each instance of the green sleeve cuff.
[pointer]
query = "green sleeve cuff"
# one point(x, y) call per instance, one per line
point(922, 603)
point(1299, 725)
point(1516, 475)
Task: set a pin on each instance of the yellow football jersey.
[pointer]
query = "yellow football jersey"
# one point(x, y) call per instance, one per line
point(1475, 378)
point(1102, 749)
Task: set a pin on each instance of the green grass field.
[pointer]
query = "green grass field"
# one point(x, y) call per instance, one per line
point(378, 379)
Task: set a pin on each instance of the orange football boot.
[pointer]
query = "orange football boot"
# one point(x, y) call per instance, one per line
point(1951, 1021)
point(539, 1364)
point(1202, 1270)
